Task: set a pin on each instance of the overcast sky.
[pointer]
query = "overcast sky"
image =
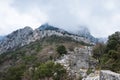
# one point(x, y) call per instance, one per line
point(102, 17)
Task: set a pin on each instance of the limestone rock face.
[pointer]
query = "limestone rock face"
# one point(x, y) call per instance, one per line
point(77, 62)
point(16, 39)
point(26, 35)
point(85, 32)
point(109, 75)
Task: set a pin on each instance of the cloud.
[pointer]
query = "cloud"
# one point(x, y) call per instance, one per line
point(101, 17)
point(11, 19)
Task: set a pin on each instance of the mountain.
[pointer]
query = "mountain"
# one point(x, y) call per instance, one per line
point(102, 40)
point(48, 27)
point(16, 39)
point(1, 37)
point(27, 35)
point(21, 63)
point(84, 32)
point(53, 54)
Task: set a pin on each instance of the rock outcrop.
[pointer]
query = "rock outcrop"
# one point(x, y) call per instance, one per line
point(77, 62)
point(16, 39)
point(109, 75)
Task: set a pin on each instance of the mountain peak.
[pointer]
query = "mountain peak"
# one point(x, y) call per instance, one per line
point(46, 26)
point(27, 28)
point(84, 31)
point(27, 35)
point(22, 31)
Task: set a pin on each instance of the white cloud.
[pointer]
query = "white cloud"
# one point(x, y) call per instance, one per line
point(101, 17)
point(11, 19)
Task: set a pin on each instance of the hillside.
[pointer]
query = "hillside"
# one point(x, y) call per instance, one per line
point(50, 53)
point(34, 54)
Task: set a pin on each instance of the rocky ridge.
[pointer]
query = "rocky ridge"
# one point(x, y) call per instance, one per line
point(27, 35)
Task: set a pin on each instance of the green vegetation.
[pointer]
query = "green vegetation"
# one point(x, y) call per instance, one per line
point(15, 73)
point(29, 59)
point(50, 70)
point(98, 50)
point(109, 55)
point(89, 71)
point(33, 62)
point(47, 70)
point(61, 49)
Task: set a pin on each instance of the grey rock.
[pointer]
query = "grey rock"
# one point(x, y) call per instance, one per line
point(109, 75)
point(26, 35)
point(16, 39)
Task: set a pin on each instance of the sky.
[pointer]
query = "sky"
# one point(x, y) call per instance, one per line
point(101, 17)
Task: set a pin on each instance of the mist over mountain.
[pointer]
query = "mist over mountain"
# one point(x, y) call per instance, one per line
point(27, 35)
point(46, 26)
point(85, 32)
point(1, 37)
point(66, 14)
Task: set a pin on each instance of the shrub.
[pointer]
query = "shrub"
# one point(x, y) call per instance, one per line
point(15, 73)
point(111, 58)
point(50, 70)
point(89, 71)
point(29, 59)
point(61, 49)
point(98, 50)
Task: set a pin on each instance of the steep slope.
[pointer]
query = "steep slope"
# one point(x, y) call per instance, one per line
point(29, 57)
point(18, 38)
point(26, 35)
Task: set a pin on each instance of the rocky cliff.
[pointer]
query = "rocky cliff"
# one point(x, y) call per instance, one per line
point(27, 35)
point(18, 38)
